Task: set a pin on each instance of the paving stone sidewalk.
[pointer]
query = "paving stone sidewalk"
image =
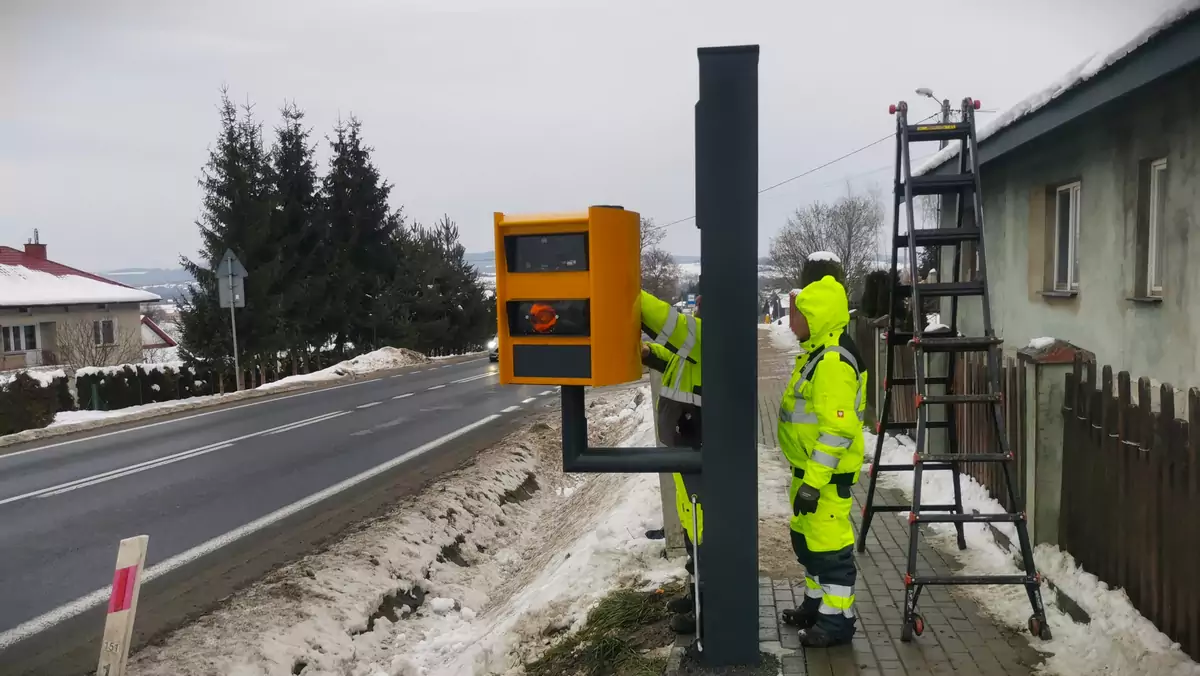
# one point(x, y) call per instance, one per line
point(958, 638)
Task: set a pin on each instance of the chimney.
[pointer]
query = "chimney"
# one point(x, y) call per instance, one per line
point(35, 249)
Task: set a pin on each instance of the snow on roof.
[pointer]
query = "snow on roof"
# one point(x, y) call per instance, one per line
point(28, 280)
point(1081, 73)
point(824, 256)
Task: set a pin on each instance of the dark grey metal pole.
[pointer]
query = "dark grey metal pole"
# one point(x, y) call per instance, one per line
point(727, 215)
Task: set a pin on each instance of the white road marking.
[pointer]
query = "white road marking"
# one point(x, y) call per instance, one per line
point(474, 377)
point(510, 409)
point(93, 437)
point(529, 400)
point(373, 403)
point(399, 375)
point(310, 421)
point(166, 460)
point(437, 387)
point(100, 596)
point(402, 396)
point(542, 394)
point(103, 479)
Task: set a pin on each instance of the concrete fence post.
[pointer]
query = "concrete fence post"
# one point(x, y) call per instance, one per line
point(1046, 368)
point(666, 484)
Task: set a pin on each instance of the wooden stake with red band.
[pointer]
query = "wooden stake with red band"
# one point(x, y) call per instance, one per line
point(122, 604)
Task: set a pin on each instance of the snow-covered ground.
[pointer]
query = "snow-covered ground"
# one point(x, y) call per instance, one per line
point(1119, 641)
point(476, 575)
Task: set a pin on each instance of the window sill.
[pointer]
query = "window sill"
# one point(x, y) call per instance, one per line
point(1059, 294)
point(1146, 300)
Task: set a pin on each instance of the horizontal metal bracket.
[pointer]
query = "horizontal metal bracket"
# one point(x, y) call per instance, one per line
point(578, 457)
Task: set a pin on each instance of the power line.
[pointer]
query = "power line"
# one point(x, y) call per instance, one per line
point(852, 153)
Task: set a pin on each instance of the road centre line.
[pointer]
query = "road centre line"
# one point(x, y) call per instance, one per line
point(101, 480)
point(166, 460)
point(436, 387)
point(529, 400)
point(368, 405)
point(403, 396)
point(100, 596)
point(510, 409)
point(542, 394)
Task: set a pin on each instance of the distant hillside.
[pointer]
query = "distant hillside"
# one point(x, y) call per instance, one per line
point(170, 283)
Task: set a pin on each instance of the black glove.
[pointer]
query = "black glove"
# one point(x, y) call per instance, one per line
point(806, 500)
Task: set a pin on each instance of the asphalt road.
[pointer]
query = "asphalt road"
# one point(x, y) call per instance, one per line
point(224, 495)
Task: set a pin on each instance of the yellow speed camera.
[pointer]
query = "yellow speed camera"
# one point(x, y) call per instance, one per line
point(567, 290)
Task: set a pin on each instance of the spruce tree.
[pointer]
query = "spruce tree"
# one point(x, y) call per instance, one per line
point(354, 200)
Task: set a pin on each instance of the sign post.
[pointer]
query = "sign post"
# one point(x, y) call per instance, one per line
point(231, 291)
point(122, 605)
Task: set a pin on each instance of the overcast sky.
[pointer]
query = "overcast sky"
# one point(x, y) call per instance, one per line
point(108, 106)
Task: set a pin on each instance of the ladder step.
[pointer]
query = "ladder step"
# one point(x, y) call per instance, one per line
point(945, 289)
point(938, 236)
point(938, 132)
point(905, 508)
point(930, 580)
point(957, 343)
point(905, 337)
point(940, 184)
point(965, 457)
point(912, 425)
point(989, 398)
point(968, 518)
point(929, 466)
point(929, 380)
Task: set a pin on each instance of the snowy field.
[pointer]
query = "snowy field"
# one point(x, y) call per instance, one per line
point(476, 575)
point(1117, 642)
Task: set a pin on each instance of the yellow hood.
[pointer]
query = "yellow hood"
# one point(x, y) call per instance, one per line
point(824, 304)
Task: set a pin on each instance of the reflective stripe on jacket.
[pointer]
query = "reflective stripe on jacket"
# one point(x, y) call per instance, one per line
point(820, 415)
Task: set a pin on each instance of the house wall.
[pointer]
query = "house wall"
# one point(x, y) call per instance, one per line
point(55, 322)
point(1105, 151)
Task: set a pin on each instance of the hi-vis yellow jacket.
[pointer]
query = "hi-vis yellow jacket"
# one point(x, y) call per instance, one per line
point(820, 416)
point(676, 348)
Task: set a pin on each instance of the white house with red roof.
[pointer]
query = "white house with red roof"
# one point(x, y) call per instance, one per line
point(51, 313)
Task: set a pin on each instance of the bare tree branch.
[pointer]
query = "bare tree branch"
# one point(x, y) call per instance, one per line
point(660, 274)
point(848, 228)
point(78, 345)
point(651, 235)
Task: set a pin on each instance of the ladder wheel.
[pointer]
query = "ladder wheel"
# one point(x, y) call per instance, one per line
point(918, 624)
point(1039, 628)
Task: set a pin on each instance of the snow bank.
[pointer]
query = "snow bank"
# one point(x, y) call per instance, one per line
point(43, 376)
point(469, 577)
point(75, 421)
point(1118, 641)
point(781, 336)
point(1081, 73)
point(145, 366)
point(380, 360)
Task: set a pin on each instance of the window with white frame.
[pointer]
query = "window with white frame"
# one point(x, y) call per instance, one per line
point(1156, 219)
point(1066, 238)
point(104, 331)
point(19, 338)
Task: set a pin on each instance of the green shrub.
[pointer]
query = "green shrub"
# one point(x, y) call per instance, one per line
point(26, 404)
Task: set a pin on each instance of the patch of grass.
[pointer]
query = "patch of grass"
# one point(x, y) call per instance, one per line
point(620, 630)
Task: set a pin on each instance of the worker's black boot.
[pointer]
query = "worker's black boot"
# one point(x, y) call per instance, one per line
point(826, 634)
point(803, 617)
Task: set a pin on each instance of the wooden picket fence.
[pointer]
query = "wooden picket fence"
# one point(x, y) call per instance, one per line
point(1131, 495)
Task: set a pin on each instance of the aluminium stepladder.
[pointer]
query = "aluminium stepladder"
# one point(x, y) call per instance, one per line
point(965, 188)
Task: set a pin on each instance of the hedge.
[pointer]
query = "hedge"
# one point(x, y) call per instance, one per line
point(25, 403)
